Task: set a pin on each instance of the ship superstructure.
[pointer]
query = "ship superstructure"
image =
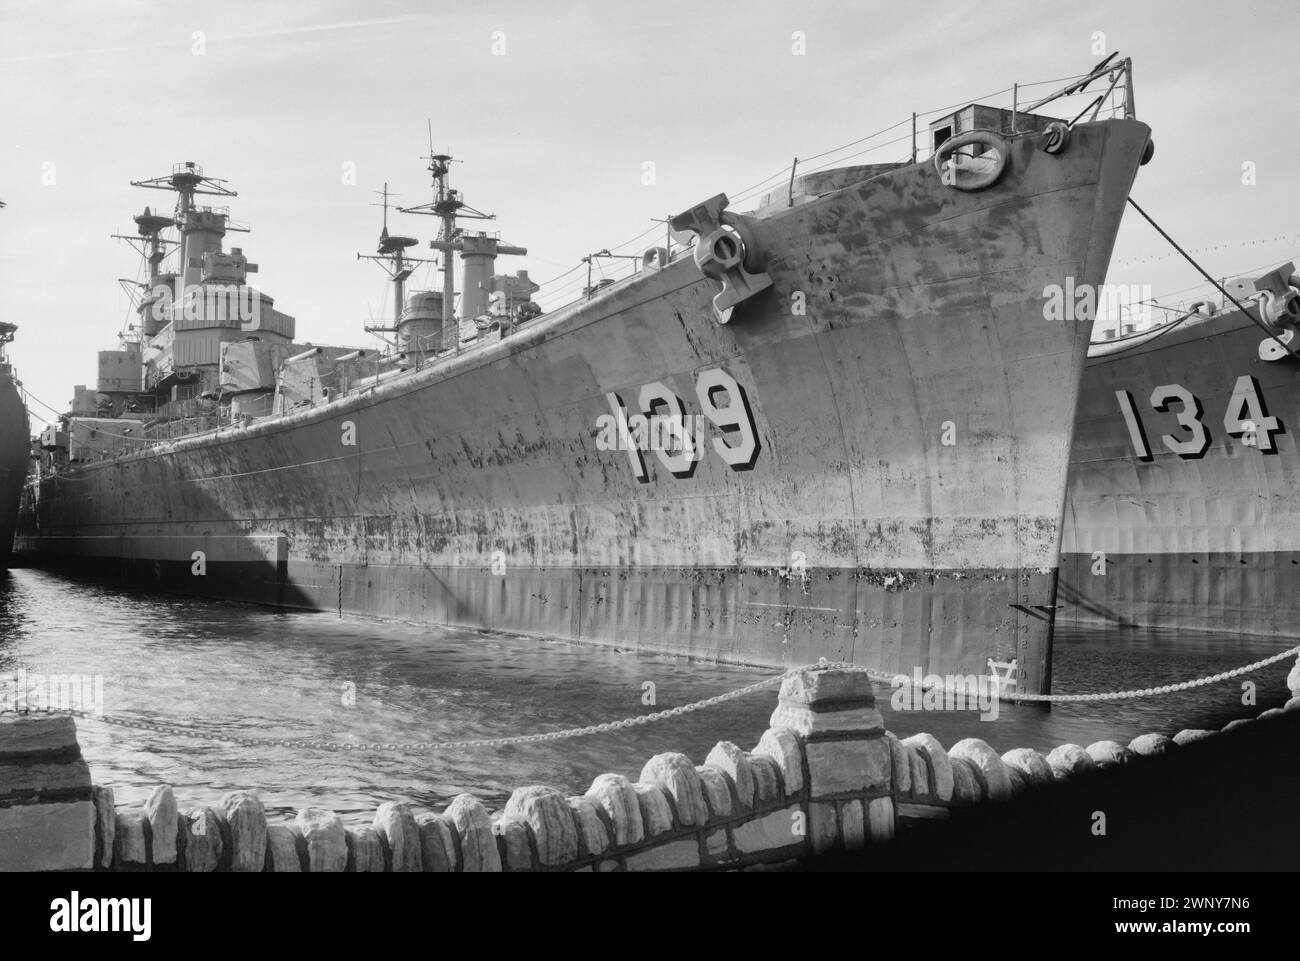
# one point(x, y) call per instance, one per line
point(834, 425)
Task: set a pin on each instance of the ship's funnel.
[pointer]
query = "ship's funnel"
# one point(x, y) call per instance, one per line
point(201, 231)
point(478, 255)
point(420, 328)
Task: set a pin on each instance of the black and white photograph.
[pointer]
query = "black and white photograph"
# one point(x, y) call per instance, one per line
point(799, 438)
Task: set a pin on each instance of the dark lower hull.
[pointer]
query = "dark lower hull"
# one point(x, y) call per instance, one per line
point(739, 616)
point(1250, 593)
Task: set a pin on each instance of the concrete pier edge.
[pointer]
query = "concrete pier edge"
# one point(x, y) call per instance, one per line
point(825, 777)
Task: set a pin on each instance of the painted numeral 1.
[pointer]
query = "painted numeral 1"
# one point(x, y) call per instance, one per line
point(1136, 434)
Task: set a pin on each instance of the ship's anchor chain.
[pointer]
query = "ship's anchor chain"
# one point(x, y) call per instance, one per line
point(726, 252)
point(300, 743)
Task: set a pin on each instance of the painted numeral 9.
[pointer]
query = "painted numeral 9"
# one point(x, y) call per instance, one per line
point(739, 445)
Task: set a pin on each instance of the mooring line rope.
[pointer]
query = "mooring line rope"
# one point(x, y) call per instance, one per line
point(1258, 321)
point(608, 726)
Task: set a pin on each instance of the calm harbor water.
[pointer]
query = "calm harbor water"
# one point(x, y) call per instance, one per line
point(258, 672)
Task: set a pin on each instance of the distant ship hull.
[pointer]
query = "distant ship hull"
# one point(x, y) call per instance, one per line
point(1206, 540)
point(910, 405)
point(15, 454)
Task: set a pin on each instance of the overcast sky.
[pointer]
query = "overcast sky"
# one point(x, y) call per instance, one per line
point(555, 108)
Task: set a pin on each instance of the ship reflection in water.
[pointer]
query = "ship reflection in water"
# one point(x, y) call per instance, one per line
point(262, 673)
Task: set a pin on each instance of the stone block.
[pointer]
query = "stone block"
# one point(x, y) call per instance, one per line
point(282, 847)
point(164, 821)
point(828, 686)
point(132, 841)
point(1192, 734)
point(478, 844)
point(48, 837)
point(438, 842)
point(805, 721)
point(516, 845)
point(988, 767)
point(734, 763)
point(880, 820)
point(40, 781)
point(717, 791)
point(783, 746)
point(325, 838)
point(966, 787)
point(1149, 745)
point(1109, 753)
point(31, 735)
point(673, 856)
point(852, 824)
point(1068, 760)
point(715, 845)
point(840, 767)
point(656, 814)
point(592, 837)
point(395, 824)
point(899, 765)
point(1019, 782)
point(919, 772)
point(939, 771)
point(614, 794)
point(780, 829)
point(676, 774)
point(105, 825)
point(823, 827)
point(246, 821)
point(1031, 764)
point(546, 811)
point(204, 844)
point(768, 789)
point(365, 851)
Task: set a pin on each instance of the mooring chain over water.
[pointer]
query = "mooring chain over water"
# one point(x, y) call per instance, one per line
point(608, 726)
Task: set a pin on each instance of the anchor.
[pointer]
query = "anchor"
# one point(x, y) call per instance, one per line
point(726, 252)
point(1279, 300)
point(1279, 307)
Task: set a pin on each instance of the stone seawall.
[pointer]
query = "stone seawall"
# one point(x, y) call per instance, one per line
point(825, 777)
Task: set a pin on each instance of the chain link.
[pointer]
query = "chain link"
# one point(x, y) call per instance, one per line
point(299, 743)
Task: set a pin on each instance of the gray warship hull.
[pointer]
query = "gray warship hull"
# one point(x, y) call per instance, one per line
point(1206, 537)
point(15, 454)
point(880, 469)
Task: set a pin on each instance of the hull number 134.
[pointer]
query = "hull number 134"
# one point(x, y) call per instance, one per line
point(1246, 417)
